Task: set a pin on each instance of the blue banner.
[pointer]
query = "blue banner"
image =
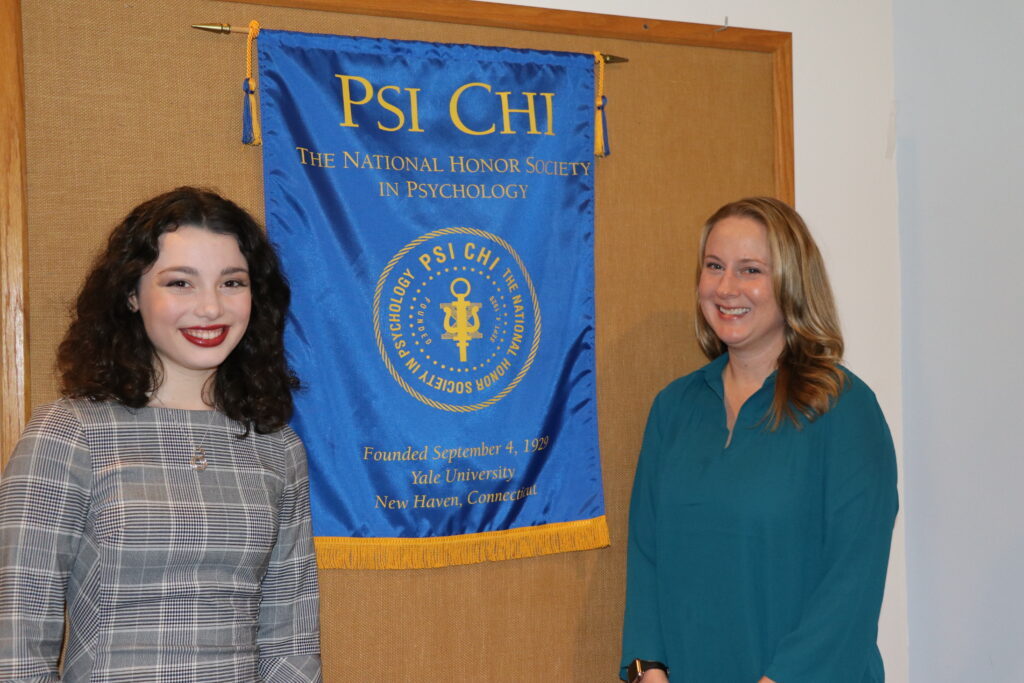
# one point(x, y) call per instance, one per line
point(433, 207)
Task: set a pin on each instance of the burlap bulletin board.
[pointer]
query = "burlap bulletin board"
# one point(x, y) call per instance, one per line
point(123, 100)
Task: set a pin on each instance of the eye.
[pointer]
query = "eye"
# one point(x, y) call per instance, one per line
point(713, 265)
point(235, 283)
point(178, 283)
point(752, 270)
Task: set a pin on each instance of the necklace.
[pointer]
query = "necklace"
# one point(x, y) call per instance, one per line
point(198, 461)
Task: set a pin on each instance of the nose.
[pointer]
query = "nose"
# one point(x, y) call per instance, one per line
point(726, 284)
point(208, 304)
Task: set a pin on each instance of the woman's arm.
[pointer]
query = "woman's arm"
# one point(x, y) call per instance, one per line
point(835, 638)
point(44, 503)
point(641, 632)
point(289, 635)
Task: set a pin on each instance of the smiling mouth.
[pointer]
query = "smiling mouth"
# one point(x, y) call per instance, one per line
point(206, 336)
point(733, 311)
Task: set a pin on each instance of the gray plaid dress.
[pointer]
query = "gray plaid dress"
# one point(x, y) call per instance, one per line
point(170, 573)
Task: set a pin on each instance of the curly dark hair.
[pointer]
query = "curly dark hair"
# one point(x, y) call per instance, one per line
point(106, 354)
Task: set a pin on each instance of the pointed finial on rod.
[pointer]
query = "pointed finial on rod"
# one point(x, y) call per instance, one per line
point(613, 59)
point(219, 28)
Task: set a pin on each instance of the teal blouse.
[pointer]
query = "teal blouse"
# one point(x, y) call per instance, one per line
point(766, 558)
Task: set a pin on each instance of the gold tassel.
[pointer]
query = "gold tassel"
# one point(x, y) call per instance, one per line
point(599, 133)
point(250, 89)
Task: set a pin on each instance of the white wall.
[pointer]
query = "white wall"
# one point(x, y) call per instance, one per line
point(845, 188)
point(960, 144)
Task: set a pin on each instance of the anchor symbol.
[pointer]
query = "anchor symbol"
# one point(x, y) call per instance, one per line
point(461, 321)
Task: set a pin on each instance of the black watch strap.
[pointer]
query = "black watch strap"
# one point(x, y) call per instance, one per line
point(637, 667)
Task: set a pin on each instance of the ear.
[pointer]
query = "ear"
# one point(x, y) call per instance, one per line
point(133, 302)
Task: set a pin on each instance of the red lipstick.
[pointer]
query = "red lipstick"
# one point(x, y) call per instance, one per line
point(200, 336)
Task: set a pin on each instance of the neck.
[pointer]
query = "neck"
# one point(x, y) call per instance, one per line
point(752, 368)
point(183, 392)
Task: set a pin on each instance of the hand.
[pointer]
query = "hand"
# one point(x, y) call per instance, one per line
point(654, 676)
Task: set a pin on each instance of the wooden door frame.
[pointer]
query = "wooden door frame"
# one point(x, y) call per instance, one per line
point(14, 398)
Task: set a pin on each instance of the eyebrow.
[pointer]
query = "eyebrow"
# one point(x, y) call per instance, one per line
point(189, 270)
point(742, 260)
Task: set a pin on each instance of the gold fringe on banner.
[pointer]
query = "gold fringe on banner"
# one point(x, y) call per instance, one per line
point(442, 551)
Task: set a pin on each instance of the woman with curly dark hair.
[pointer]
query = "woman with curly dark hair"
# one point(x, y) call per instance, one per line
point(765, 494)
point(164, 500)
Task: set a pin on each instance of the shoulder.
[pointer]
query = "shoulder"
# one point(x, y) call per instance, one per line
point(87, 413)
point(78, 418)
point(53, 443)
point(682, 390)
point(289, 438)
point(294, 447)
point(67, 418)
point(58, 416)
point(283, 438)
point(856, 402)
point(287, 449)
point(685, 384)
point(857, 433)
point(685, 403)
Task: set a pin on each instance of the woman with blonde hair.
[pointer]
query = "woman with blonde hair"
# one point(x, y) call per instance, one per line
point(765, 494)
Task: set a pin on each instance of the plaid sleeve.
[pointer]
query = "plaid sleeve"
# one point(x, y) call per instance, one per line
point(289, 634)
point(44, 501)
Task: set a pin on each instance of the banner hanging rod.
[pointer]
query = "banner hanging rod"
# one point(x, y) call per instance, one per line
point(228, 28)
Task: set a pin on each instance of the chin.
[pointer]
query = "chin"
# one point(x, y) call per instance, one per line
point(732, 340)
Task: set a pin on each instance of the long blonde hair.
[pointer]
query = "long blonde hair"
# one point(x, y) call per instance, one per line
point(809, 377)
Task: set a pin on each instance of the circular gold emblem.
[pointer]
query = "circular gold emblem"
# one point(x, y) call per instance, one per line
point(456, 319)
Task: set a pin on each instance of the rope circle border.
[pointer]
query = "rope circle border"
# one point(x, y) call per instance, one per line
point(380, 340)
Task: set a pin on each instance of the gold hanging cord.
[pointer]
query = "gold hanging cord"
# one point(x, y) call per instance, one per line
point(256, 138)
point(600, 138)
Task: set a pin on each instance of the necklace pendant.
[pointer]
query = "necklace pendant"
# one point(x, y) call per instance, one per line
point(199, 461)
